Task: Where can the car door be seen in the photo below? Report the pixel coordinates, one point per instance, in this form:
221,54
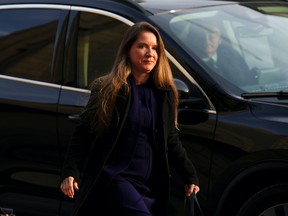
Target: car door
29,94
94,37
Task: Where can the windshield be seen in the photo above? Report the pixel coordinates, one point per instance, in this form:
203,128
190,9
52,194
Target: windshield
245,47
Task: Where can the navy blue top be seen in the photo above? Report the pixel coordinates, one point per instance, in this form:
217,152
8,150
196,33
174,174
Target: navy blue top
141,163
136,150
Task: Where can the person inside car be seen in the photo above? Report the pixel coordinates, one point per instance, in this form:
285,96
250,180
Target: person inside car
217,52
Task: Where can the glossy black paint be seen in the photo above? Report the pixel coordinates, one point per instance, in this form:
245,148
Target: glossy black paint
241,146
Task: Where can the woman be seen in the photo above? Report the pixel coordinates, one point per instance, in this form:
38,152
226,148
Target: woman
127,138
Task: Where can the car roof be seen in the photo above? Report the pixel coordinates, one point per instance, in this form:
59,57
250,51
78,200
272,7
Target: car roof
161,6
158,6
152,7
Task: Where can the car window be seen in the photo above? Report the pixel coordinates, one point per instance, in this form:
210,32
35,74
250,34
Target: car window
251,46
27,40
99,38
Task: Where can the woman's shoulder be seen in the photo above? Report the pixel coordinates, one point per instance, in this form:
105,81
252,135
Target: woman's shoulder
97,83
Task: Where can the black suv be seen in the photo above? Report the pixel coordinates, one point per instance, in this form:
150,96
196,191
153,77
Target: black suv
234,125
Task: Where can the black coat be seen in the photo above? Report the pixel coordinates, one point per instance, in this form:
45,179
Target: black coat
87,154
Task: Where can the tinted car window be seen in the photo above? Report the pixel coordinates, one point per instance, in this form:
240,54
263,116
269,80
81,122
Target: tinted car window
26,42
98,40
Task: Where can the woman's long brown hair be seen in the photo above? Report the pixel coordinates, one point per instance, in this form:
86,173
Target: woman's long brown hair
110,84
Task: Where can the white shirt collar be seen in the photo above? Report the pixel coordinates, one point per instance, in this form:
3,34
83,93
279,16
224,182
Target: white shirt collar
214,58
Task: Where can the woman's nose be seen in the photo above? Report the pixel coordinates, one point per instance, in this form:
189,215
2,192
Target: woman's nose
149,51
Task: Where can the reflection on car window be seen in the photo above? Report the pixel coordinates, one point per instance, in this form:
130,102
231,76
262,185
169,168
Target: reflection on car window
26,42
250,47
98,40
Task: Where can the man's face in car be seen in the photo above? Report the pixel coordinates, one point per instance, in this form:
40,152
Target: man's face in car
212,41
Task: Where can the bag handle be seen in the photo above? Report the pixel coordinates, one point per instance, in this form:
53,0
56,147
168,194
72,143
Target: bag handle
189,205
198,205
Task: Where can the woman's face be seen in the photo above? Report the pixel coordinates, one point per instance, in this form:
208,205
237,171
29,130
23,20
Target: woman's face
143,53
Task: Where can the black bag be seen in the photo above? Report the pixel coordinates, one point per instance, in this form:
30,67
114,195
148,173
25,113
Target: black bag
6,212
192,206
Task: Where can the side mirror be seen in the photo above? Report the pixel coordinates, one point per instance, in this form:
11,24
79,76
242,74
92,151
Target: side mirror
189,98
191,105
182,88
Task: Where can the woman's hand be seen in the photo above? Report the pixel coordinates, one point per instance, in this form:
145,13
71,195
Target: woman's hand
189,189
68,186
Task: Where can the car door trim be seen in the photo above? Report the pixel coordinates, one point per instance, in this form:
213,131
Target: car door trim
29,81
102,12
44,6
